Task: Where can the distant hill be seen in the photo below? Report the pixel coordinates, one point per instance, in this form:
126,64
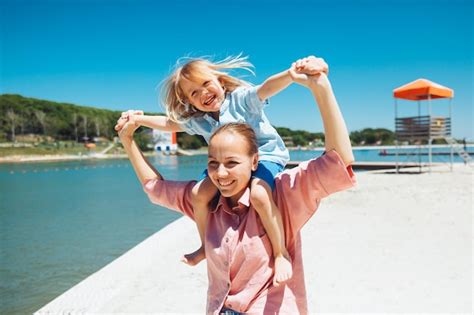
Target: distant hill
64,121
58,120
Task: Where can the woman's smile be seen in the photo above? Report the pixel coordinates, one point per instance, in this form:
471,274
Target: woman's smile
225,183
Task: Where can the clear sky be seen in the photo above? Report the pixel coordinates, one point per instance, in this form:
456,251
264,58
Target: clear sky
112,54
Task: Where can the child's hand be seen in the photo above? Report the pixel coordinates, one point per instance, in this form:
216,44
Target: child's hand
311,66
128,116
309,72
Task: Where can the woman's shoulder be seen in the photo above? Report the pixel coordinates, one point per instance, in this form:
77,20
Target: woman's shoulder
324,175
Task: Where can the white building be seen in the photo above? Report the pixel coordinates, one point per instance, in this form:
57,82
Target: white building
165,141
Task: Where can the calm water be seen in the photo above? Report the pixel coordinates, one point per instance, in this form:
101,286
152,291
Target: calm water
60,222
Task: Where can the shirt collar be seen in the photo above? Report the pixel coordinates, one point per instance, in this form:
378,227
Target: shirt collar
244,201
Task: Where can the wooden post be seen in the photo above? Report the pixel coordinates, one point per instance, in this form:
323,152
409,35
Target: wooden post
429,133
450,126
396,140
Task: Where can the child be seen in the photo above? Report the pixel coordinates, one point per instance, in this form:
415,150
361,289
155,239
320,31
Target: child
199,96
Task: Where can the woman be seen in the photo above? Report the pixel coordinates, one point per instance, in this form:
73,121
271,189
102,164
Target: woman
239,254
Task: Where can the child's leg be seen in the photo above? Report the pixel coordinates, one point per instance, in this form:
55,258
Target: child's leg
261,198
202,194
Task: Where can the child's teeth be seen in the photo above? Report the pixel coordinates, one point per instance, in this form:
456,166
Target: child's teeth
209,100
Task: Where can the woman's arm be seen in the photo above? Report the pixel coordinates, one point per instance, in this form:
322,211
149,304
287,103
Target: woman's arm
335,130
175,195
144,170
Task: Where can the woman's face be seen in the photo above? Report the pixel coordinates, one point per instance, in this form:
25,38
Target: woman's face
230,166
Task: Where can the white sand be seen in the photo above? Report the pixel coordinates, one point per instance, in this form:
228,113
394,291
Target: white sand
394,244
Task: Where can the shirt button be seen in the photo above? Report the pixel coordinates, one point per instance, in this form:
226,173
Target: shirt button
227,240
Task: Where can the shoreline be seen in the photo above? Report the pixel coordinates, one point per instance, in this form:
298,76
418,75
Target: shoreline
18,159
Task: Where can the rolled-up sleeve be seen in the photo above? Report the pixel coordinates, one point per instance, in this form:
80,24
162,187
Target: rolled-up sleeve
175,195
188,127
301,189
248,99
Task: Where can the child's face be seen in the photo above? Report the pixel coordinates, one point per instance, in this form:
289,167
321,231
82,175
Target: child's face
206,96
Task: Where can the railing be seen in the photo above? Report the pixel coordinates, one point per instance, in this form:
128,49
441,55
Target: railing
422,128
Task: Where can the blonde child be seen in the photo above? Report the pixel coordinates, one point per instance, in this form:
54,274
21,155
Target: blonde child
199,96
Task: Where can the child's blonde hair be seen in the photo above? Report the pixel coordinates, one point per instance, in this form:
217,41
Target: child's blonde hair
173,98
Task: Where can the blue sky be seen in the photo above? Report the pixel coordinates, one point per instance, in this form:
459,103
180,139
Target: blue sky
112,54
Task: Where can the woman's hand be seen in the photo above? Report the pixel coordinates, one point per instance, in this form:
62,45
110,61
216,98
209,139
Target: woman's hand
311,65
128,116
315,81
310,72
127,130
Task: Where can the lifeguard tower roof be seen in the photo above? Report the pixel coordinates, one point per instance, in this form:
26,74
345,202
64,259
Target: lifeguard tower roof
422,89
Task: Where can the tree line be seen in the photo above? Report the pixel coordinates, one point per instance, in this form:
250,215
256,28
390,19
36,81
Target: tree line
62,121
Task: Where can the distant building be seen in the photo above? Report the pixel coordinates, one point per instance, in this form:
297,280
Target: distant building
316,143
288,141
165,141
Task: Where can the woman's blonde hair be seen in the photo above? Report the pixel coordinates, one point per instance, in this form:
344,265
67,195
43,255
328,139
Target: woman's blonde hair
173,98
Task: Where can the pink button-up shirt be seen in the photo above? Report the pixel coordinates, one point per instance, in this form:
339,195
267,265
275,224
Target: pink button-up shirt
238,250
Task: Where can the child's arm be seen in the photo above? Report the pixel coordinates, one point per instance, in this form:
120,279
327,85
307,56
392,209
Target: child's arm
274,84
280,81
155,122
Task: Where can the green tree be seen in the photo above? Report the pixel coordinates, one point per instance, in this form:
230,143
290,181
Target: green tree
186,141
142,139
298,139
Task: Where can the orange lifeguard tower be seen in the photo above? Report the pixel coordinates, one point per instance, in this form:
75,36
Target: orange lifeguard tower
424,128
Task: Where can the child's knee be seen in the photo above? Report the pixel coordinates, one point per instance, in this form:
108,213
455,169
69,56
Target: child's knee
203,192
260,194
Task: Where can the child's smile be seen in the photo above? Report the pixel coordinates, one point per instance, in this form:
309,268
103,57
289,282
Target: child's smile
206,96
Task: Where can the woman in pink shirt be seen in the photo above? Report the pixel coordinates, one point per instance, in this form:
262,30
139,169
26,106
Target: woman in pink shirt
239,253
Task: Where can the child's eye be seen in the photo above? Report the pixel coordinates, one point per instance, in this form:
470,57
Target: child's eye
193,93
206,83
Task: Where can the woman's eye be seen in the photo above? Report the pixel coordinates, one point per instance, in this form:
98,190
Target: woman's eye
232,163
212,164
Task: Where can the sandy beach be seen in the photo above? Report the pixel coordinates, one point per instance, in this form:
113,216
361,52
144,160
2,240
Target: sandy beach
396,243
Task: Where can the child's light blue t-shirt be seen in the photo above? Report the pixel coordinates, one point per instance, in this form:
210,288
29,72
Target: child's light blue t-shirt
243,105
